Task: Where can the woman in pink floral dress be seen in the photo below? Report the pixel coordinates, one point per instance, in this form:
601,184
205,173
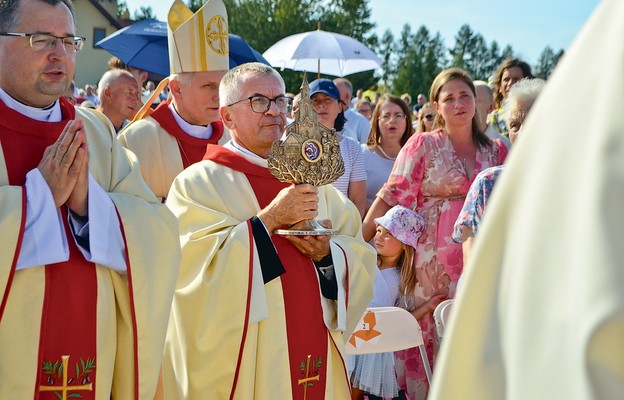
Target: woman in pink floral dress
432,175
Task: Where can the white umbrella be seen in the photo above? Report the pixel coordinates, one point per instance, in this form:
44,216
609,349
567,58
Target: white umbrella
324,52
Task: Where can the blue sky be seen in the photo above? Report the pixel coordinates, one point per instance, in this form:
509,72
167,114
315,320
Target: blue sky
527,25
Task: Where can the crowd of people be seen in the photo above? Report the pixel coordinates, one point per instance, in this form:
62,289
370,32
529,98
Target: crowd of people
140,258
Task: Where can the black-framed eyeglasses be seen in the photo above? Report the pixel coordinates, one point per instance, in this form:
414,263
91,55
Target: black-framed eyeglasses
45,41
261,104
429,117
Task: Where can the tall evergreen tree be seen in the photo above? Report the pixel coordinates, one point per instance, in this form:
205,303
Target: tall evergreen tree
387,53
419,63
463,44
122,10
547,62
195,5
144,13
477,58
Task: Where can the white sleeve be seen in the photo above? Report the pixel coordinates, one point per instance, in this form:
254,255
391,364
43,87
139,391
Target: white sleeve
106,245
364,127
44,240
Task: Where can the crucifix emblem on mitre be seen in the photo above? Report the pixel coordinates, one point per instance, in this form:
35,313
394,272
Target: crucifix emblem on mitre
309,152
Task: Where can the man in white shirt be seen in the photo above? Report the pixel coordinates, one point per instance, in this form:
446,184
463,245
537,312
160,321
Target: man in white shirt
119,97
485,105
355,122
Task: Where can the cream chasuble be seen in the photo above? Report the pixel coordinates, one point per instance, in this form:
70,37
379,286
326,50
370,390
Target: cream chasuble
163,148
227,336
131,310
541,312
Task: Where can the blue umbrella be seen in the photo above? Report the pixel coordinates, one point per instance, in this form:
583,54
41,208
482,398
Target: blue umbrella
143,45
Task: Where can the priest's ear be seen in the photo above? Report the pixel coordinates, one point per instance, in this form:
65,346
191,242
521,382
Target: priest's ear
174,84
106,92
226,117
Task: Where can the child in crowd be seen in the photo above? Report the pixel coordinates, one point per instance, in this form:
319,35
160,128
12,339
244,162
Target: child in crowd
373,375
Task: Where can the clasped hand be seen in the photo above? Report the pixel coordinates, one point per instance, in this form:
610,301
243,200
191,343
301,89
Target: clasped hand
65,168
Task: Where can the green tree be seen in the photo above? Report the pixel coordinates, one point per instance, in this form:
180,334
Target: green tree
464,41
506,53
547,62
349,17
494,59
195,5
421,61
122,10
144,13
477,62
387,52
277,19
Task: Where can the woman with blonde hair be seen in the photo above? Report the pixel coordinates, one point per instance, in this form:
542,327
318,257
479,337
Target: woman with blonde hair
426,115
509,72
432,175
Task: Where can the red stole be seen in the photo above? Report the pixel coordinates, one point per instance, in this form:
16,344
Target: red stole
192,149
306,330
67,347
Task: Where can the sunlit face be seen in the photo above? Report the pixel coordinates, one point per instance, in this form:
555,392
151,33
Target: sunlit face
386,244
196,97
256,131
345,96
392,122
509,78
456,104
427,115
327,108
516,120
483,101
123,96
366,110
37,78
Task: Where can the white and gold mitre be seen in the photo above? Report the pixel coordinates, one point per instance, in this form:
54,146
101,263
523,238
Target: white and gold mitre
198,42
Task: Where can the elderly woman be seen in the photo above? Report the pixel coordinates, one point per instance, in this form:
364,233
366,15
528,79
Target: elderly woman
432,175
391,126
327,104
515,109
508,73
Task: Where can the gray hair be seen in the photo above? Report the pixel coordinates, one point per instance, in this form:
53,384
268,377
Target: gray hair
110,77
347,84
8,12
523,92
484,84
230,86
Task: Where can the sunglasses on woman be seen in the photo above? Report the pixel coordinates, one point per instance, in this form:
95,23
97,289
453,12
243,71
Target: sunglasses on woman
429,117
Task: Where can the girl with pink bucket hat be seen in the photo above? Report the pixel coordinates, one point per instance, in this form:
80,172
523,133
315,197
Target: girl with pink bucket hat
373,375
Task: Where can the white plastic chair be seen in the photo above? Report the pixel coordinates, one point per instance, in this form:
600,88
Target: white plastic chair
387,329
440,317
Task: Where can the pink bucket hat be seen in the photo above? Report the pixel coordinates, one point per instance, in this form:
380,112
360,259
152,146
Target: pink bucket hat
404,224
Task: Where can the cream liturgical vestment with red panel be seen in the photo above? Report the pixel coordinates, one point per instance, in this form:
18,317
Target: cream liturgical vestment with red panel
235,333
76,328
163,148
540,315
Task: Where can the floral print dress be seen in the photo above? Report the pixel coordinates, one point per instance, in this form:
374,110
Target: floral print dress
429,178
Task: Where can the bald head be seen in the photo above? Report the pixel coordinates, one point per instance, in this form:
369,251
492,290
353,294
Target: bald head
484,99
119,96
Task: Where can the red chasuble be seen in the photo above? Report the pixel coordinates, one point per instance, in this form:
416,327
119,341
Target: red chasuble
192,149
306,330
67,347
